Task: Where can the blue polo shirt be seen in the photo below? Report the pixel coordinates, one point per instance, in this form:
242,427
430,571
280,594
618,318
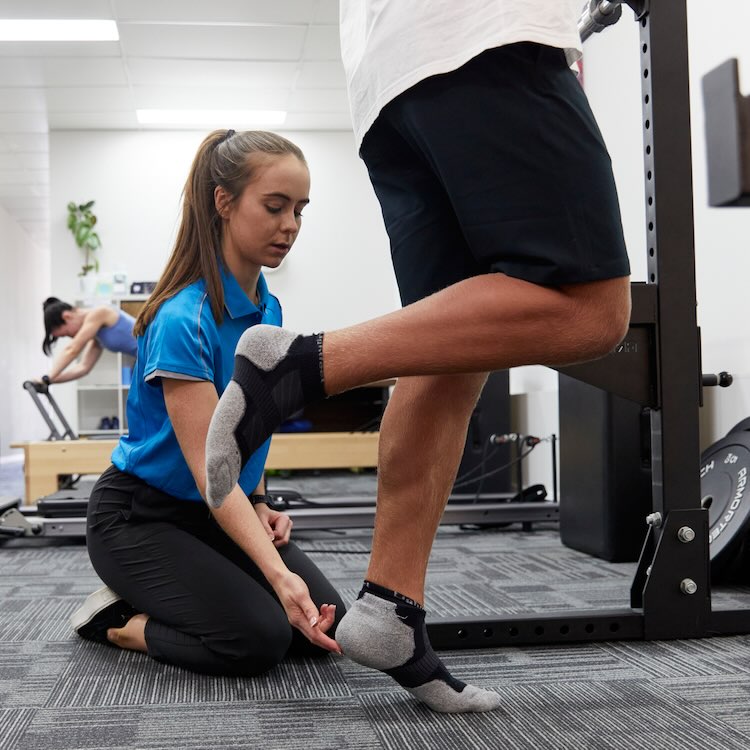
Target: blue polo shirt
184,341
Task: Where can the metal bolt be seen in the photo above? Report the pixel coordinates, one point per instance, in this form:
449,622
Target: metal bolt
685,534
688,586
654,519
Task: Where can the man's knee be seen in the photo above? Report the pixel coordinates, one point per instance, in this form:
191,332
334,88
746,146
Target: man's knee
600,316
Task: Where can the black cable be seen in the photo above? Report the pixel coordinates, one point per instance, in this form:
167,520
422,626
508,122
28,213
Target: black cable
463,479
485,457
516,460
302,500
499,468
481,477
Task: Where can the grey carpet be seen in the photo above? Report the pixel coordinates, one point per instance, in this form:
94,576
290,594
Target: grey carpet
58,692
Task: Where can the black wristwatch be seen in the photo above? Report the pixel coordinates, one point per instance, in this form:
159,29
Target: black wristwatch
45,379
265,499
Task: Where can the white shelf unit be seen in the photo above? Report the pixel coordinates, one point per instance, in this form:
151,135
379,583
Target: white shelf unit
103,393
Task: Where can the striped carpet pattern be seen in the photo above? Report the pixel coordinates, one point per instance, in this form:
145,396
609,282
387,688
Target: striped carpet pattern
58,692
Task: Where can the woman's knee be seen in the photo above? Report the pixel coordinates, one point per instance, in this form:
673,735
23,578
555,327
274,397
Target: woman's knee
246,657
252,651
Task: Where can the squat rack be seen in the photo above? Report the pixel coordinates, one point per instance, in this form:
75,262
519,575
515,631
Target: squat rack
658,366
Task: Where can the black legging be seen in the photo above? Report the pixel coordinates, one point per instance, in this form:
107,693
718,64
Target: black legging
210,608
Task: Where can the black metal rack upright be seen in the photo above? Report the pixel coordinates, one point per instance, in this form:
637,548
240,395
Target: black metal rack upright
658,366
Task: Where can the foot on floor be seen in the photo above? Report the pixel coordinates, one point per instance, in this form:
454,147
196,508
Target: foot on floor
386,631
102,610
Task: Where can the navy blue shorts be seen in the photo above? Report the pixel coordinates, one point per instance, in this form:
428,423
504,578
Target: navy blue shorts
496,166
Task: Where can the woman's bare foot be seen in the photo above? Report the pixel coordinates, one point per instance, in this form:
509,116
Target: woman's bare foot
132,635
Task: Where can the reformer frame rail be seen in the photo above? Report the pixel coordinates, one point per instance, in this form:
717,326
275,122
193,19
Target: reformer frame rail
34,390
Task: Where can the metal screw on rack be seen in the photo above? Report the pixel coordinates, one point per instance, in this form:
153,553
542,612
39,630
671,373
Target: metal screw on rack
685,534
688,586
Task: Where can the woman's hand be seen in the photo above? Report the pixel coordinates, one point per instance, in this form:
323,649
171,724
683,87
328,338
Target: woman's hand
278,525
303,614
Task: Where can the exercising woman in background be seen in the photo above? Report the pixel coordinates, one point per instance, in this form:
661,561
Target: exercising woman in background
91,330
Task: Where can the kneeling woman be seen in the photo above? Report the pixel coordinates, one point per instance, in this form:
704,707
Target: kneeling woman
219,590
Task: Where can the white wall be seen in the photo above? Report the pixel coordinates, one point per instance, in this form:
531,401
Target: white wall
722,234
338,272
24,284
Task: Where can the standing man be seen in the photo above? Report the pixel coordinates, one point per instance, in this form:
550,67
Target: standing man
498,197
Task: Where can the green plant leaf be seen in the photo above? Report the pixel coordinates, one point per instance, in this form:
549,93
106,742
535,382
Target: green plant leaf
81,221
82,234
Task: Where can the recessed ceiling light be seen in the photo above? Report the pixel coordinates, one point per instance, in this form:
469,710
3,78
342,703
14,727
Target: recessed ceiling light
219,118
57,30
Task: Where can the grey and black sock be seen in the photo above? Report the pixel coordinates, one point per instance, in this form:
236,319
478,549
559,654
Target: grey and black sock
386,631
276,372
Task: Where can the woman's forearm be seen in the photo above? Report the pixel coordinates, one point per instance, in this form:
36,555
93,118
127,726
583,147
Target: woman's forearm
62,369
70,373
190,406
66,356
237,517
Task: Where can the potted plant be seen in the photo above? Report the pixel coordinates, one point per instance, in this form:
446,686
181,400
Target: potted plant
81,222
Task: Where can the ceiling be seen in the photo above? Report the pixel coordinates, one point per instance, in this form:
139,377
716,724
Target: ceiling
172,54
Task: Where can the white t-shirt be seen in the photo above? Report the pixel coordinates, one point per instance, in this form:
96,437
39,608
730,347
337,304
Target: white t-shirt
388,46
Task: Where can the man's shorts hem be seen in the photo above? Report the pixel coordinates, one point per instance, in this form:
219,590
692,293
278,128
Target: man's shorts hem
560,278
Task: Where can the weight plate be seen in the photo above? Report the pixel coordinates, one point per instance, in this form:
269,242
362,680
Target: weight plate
742,426
725,490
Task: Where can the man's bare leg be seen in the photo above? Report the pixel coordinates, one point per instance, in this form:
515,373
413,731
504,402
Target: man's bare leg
488,322
421,441
422,437
485,323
